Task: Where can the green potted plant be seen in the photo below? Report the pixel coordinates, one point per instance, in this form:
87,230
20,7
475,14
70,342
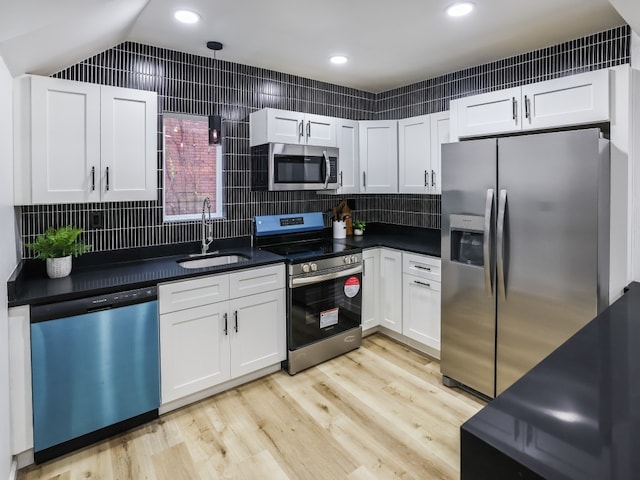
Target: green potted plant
57,246
358,227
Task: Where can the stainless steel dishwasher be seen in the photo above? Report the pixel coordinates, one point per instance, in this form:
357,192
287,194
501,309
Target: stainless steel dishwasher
95,369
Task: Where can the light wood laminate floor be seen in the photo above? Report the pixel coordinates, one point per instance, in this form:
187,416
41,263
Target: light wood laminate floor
380,412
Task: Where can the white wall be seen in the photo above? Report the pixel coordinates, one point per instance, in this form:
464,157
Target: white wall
8,258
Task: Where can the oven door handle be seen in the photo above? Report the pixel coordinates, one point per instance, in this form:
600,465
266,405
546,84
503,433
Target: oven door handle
301,282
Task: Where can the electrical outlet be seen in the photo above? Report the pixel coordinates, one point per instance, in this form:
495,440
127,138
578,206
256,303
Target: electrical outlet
96,220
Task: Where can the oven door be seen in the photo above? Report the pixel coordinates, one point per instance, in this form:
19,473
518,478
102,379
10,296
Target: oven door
323,306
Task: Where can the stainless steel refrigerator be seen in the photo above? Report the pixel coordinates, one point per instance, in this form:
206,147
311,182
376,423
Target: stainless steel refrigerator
525,248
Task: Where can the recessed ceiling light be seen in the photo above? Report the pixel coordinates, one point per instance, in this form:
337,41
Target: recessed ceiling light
186,16
460,9
339,59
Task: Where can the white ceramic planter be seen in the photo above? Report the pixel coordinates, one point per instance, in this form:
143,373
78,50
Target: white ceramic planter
59,267
357,231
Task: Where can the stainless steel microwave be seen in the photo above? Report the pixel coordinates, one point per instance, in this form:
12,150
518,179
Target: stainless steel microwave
286,167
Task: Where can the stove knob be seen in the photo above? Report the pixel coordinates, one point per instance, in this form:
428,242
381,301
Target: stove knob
354,259
314,267
347,259
305,268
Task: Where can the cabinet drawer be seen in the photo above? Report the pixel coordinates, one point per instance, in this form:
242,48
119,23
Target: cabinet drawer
421,265
256,280
192,293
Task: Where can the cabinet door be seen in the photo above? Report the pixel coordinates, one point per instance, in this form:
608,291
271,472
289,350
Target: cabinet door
421,310
196,292
256,280
378,156
414,155
65,141
128,144
390,289
489,113
439,135
571,100
349,158
284,126
370,276
320,130
194,350
257,329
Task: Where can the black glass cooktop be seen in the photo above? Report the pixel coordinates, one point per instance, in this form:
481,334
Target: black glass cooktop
301,251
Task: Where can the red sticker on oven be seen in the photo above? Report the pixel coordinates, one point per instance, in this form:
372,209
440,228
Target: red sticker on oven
351,287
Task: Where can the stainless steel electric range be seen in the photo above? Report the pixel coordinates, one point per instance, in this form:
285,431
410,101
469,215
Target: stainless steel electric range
324,298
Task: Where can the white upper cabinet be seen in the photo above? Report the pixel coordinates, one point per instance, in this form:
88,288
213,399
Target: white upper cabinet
414,154
128,121
493,112
349,157
440,134
271,125
77,142
419,153
378,156
573,100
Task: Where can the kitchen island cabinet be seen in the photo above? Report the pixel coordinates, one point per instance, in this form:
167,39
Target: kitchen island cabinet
573,416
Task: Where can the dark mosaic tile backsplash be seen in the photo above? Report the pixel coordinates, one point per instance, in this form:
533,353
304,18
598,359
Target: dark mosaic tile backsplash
196,85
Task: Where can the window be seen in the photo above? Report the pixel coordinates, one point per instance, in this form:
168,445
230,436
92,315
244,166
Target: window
192,168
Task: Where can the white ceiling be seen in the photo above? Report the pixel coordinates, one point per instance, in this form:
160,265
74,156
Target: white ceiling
390,44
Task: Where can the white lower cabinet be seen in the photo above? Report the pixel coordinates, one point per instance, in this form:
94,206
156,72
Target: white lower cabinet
370,279
258,334
390,289
217,328
401,292
421,307
421,299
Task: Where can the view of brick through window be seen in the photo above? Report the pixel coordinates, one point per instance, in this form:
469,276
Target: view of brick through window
190,165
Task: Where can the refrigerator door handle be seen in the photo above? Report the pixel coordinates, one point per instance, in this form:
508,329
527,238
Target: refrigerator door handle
502,206
486,247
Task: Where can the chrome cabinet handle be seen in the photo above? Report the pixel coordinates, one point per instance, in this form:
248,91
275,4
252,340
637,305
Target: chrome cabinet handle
341,178
235,315
93,178
514,108
422,267
226,330
486,247
426,179
301,128
527,108
502,206
308,128
433,178
364,179
327,165
107,172
422,283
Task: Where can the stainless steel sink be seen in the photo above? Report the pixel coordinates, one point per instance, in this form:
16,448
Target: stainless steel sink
212,261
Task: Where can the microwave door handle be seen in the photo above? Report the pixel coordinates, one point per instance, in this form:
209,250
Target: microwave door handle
327,165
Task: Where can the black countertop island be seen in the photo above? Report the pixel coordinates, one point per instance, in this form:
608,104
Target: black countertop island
576,415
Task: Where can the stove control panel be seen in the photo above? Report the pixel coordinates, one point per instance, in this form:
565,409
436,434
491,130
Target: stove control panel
323,264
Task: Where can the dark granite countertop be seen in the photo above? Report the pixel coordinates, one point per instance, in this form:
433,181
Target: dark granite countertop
576,415
122,270
424,241
105,272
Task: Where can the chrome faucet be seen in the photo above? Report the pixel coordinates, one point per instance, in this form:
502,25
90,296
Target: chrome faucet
207,226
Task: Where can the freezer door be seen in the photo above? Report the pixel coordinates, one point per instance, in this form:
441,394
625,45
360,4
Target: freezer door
547,244
468,260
